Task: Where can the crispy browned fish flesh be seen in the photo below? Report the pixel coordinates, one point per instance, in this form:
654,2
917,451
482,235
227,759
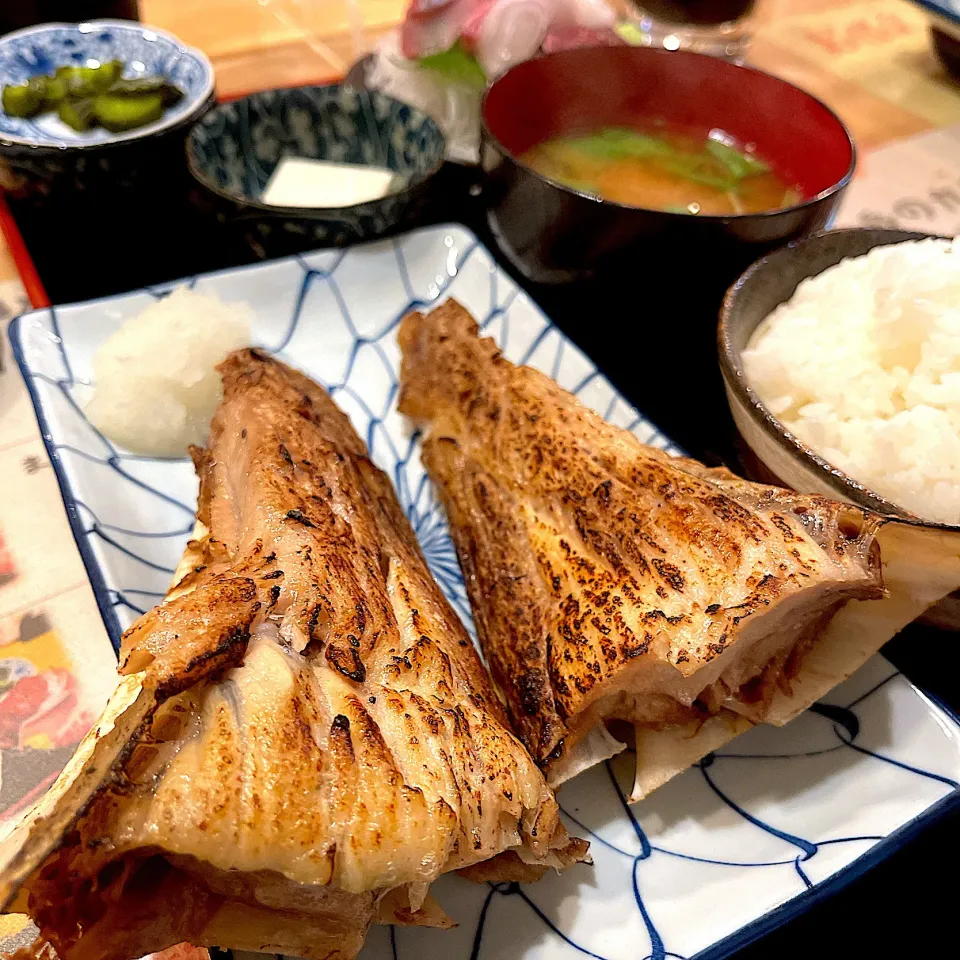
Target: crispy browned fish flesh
305,736
608,580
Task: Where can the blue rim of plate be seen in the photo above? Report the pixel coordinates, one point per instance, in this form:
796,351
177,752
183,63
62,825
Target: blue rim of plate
802,902
721,949
172,118
100,591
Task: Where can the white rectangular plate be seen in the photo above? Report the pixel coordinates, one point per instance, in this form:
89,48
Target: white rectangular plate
746,839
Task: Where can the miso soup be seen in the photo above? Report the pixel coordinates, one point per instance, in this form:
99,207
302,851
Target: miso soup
663,169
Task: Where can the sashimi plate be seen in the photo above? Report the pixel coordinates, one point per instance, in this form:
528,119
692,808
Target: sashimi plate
747,838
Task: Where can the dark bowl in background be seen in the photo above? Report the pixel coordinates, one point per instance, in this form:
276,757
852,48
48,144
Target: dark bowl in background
235,148
554,234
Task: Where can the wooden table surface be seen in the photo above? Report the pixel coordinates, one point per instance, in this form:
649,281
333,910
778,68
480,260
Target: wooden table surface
870,60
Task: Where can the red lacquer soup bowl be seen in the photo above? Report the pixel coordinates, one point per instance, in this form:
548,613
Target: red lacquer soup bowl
553,233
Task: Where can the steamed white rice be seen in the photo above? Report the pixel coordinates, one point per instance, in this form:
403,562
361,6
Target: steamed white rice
155,386
863,365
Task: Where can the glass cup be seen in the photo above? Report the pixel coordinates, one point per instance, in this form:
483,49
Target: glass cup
719,28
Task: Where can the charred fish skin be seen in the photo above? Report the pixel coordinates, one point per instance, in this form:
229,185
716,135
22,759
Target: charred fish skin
607,579
304,736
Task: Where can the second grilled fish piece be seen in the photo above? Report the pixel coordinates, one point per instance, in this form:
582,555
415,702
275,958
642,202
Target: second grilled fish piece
304,737
608,580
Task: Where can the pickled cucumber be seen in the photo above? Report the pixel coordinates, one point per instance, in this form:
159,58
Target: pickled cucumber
87,96
120,113
77,114
21,100
130,88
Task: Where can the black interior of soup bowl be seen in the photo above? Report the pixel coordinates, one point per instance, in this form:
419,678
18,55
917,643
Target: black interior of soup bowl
553,233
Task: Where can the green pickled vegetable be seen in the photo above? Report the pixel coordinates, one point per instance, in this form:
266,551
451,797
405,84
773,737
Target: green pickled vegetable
107,74
138,85
79,81
120,113
55,91
77,114
85,96
40,86
22,100
87,81
170,93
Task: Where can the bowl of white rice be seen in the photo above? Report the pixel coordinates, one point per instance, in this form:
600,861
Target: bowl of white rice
841,360
840,355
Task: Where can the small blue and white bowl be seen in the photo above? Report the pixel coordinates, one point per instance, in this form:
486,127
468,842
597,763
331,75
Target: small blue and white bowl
42,150
235,148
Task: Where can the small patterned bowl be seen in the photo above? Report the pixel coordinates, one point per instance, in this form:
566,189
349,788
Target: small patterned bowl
235,148
42,152
146,52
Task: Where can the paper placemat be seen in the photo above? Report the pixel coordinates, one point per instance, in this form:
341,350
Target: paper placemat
57,667
910,185
883,46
